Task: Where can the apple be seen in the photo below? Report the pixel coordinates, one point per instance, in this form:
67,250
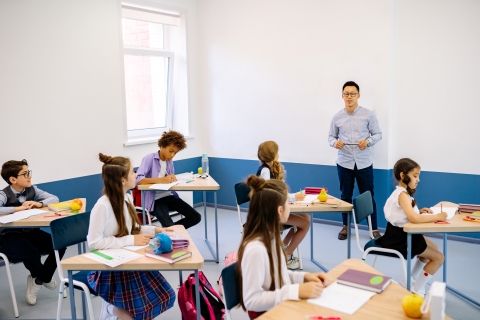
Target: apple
76,204
411,304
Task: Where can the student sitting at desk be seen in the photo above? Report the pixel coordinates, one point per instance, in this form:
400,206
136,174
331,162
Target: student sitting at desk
401,208
262,275
157,167
27,244
271,168
114,224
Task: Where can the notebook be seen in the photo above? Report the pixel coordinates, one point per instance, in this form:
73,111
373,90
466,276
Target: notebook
171,257
449,210
112,257
62,207
364,280
178,241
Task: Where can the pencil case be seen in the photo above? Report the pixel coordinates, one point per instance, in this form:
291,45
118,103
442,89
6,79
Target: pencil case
314,190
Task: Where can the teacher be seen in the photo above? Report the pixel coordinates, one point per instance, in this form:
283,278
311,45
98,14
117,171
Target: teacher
353,131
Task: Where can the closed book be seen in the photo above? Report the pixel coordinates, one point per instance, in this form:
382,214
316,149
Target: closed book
314,190
178,241
171,257
468,208
364,280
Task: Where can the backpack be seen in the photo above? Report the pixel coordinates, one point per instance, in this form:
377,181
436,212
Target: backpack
230,258
211,305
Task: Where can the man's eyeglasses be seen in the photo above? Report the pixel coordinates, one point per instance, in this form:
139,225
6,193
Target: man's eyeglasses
351,94
27,174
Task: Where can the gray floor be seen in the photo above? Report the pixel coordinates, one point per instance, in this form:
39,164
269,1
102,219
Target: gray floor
462,259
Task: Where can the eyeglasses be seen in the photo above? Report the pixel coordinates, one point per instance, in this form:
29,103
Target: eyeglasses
26,174
351,94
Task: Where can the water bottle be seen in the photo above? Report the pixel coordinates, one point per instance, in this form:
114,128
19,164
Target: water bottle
205,169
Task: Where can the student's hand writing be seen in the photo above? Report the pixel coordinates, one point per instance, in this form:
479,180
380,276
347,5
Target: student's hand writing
339,144
362,145
141,239
426,210
168,179
159,230
318,276
21,208
299,196
442,216
311,289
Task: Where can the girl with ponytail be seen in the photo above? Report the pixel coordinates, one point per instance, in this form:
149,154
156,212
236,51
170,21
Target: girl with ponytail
114,224
401,208
262,275
271,168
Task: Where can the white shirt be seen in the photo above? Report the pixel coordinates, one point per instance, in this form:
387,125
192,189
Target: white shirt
265,175
256,279
103,226
393,211
161,174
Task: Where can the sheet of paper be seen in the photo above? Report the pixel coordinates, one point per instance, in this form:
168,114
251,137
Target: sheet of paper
342,298
449,210
113,257
164,186
134,248
185,177
20,215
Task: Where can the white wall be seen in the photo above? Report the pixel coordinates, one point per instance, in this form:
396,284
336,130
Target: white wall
61,86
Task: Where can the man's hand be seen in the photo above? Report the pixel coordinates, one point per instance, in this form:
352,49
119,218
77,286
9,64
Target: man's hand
362,145
339,144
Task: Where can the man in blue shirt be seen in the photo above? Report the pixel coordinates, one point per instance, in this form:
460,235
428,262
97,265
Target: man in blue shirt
353,131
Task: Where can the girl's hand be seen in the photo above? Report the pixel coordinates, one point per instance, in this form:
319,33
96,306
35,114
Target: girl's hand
299,196
442,216
426,210
141,239
308,290
160,230
318,276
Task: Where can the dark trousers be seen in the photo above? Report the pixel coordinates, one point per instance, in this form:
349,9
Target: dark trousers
364,178
164,205
27,247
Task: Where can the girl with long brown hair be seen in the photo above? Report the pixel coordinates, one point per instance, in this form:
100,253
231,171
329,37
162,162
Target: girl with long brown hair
271,168
114,224
262,275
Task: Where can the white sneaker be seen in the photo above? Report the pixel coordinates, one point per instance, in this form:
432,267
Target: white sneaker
32,290
420,292
403,283
293,263
104,314
50,285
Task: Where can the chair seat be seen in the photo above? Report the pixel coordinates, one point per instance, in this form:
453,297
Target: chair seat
372,244
82,277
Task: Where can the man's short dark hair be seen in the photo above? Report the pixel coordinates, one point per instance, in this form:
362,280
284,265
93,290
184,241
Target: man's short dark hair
12,168
351,84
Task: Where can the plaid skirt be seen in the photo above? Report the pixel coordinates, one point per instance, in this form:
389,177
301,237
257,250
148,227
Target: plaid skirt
143,294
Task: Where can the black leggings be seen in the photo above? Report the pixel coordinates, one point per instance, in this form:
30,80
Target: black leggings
164,205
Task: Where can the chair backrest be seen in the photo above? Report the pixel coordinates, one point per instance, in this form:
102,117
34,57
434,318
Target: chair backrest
242,191
70,230
230,288
362,206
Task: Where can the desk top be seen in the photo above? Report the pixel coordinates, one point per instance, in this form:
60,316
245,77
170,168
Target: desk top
194,262
386,305
40,220
457,224
198,184
343,207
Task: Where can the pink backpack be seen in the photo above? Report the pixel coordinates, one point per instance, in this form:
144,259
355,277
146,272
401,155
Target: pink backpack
211,305
230,258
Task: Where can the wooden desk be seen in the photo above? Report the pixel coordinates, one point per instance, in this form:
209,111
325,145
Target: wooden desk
39,220
193,263
318,208
198,184
456,224
387,305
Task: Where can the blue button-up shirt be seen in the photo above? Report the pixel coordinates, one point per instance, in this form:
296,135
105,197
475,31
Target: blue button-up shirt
351,129
40,196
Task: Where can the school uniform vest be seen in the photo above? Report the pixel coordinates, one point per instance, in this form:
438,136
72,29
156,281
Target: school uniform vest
264,165
12,201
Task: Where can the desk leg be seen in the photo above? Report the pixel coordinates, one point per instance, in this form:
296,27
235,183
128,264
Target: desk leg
349,233
72,297
143,207
311,236
216,226
180,277
214,253
197,295
409,259
79,248
445,255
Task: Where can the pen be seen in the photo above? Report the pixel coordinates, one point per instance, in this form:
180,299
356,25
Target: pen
323,317
441,207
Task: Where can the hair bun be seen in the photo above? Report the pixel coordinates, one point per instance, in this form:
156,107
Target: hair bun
256,183
104,158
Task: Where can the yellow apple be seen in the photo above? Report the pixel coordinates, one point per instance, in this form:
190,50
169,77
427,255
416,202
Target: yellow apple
411,304
76,204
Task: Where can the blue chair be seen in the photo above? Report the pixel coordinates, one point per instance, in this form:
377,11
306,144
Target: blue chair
363,208
66,232
231,298
10,283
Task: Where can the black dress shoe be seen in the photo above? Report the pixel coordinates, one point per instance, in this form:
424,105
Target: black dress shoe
343,235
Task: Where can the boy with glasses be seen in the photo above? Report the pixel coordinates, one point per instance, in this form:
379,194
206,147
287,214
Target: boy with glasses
27,245
353,131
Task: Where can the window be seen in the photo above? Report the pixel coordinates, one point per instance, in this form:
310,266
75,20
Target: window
150,48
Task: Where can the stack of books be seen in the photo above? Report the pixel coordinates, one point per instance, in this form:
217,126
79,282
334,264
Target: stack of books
178,241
